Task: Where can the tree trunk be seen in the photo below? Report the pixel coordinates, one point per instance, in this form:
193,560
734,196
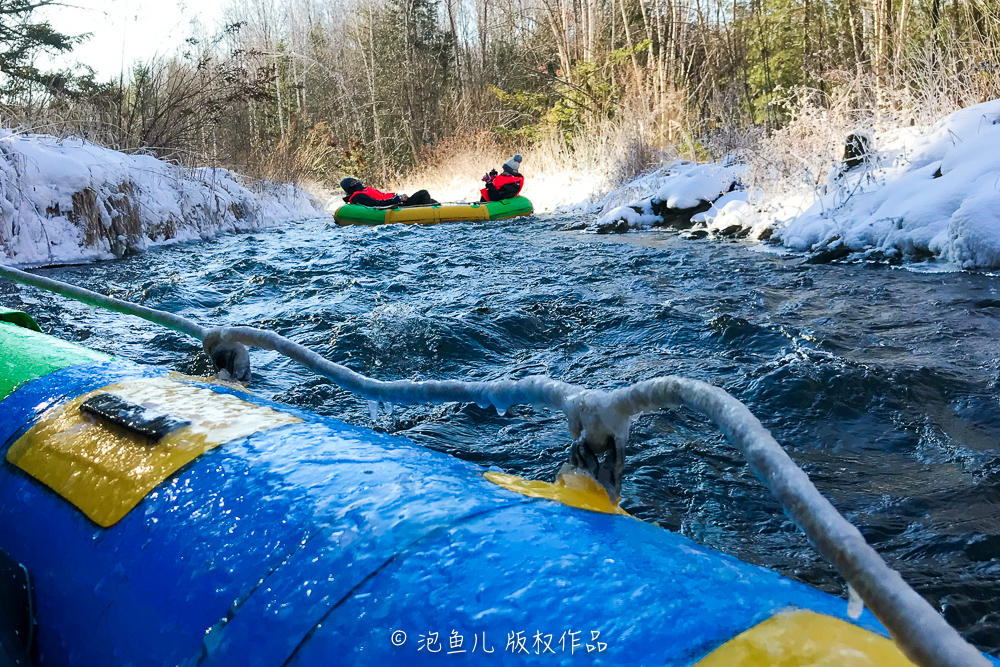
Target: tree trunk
556,16
904,15
277,88
639,79
651,58
857,38
882,18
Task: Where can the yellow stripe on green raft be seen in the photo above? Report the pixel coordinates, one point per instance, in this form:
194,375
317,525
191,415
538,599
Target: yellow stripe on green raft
806,639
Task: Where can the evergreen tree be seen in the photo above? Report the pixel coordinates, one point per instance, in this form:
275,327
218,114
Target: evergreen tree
21,39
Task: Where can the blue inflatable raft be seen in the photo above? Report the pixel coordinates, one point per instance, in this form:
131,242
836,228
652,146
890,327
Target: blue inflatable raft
238,531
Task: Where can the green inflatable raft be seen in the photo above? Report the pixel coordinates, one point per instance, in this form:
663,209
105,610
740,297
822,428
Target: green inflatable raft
352,214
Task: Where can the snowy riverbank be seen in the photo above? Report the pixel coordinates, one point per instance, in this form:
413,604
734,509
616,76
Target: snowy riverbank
918,195
67,200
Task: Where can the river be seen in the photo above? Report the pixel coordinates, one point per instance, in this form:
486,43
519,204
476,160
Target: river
881,382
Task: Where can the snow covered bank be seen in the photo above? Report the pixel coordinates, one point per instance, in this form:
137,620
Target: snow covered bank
937,193
918,195
67,200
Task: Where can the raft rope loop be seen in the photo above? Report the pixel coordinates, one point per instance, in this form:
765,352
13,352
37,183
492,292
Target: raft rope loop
599,423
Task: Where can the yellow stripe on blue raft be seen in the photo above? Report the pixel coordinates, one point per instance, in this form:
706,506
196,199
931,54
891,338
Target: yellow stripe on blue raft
789,639
571,489
105,470
806,639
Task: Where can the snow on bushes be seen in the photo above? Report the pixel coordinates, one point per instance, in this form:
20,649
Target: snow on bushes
916,196
936,194
68,200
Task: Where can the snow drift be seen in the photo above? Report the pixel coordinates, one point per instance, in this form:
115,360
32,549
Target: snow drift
935,194
68,200
917,196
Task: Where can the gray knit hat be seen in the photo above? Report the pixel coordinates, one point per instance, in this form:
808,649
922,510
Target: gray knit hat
513,165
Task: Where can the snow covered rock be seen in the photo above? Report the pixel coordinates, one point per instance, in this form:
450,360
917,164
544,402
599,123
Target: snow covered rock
68,200
683,191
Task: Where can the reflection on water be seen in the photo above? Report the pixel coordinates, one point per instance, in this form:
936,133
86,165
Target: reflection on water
882,383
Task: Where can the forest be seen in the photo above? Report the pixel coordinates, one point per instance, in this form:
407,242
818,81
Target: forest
306,91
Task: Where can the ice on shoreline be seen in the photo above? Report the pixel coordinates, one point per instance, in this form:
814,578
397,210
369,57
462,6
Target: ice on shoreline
68,200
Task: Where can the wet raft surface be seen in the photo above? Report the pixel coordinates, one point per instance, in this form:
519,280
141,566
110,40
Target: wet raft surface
882,383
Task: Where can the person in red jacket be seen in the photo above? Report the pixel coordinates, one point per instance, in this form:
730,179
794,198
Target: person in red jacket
358,194
505,185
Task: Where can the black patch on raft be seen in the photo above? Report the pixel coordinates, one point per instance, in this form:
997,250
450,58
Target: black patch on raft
17,618
603,466
233,358
131,416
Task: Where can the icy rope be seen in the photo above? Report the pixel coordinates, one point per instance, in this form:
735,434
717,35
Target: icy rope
169,320
599,422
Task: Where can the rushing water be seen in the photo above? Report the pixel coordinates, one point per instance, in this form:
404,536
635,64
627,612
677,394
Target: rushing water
882,383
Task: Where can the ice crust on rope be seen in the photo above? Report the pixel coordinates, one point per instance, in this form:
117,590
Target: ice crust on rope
855,605
68,200
595,415
933,193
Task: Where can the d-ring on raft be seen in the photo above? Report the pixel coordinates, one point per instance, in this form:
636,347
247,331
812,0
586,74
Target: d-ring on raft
247,532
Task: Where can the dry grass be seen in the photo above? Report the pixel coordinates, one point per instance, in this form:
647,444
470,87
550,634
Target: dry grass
455,162
301,156
613,151
799,156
